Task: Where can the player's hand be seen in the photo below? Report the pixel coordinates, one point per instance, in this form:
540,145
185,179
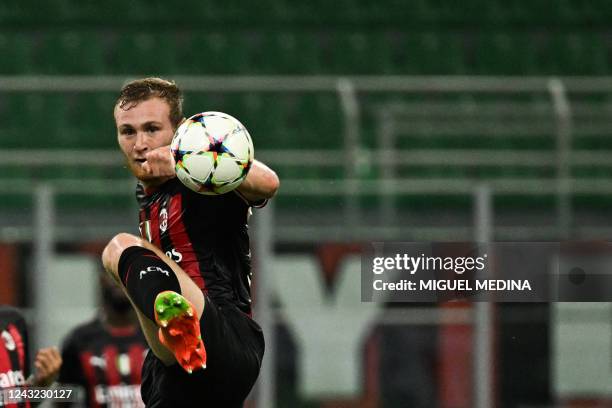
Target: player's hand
46,366
160,163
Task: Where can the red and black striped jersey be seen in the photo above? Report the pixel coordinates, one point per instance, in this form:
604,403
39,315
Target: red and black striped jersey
14,357
105,362
207,235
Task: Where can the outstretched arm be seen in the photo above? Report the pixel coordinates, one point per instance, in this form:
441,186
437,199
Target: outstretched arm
261,183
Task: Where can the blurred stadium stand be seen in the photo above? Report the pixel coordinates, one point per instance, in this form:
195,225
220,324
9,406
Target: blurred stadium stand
377,146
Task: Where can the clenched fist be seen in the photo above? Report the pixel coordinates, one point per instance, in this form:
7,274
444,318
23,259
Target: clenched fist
46,366
159,163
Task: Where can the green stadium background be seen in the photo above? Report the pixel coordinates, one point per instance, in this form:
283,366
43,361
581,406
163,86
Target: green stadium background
388,120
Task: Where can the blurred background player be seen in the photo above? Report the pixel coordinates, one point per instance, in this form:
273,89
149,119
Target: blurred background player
104,356
205,299
15,357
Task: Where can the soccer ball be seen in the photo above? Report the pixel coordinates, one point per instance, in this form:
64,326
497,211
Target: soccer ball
213,152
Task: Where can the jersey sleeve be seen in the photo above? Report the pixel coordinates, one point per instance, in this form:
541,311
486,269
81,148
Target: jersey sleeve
255,204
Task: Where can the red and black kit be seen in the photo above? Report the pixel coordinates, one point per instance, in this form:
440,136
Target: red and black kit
106,363
207,236
14,357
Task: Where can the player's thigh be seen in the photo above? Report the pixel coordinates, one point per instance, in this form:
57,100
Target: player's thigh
189,289
234,347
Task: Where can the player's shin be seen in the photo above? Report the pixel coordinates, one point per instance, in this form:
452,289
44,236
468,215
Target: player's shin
155,290
145,275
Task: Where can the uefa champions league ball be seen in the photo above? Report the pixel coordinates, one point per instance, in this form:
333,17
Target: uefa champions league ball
213,152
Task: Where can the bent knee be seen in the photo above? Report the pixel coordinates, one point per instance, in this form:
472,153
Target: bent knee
115,247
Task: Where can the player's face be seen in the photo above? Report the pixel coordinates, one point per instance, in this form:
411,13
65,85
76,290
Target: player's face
113,297
142,128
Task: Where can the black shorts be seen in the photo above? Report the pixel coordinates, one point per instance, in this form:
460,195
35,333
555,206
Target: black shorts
234,349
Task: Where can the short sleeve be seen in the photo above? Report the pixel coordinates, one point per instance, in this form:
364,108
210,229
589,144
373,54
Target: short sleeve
255,204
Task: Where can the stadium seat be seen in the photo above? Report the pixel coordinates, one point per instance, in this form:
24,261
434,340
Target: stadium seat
15,12
383,52
432,53
577,11
577,54
393,56
8,134
352,53
82,130
320,134
273,127
506,54
16,51
32,123
218,53
72,52
260,114
143,53
112,11
291,53
46,116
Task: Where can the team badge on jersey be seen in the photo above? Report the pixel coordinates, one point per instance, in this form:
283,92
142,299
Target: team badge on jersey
123,364
163,220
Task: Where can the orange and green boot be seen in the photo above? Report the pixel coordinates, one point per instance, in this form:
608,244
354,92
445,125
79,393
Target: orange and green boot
179,330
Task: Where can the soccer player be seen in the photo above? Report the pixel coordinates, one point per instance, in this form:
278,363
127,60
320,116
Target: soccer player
104,356
14,357
189,275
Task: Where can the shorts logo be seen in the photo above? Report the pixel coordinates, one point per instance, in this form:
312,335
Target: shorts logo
163,220
9,342
154,269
